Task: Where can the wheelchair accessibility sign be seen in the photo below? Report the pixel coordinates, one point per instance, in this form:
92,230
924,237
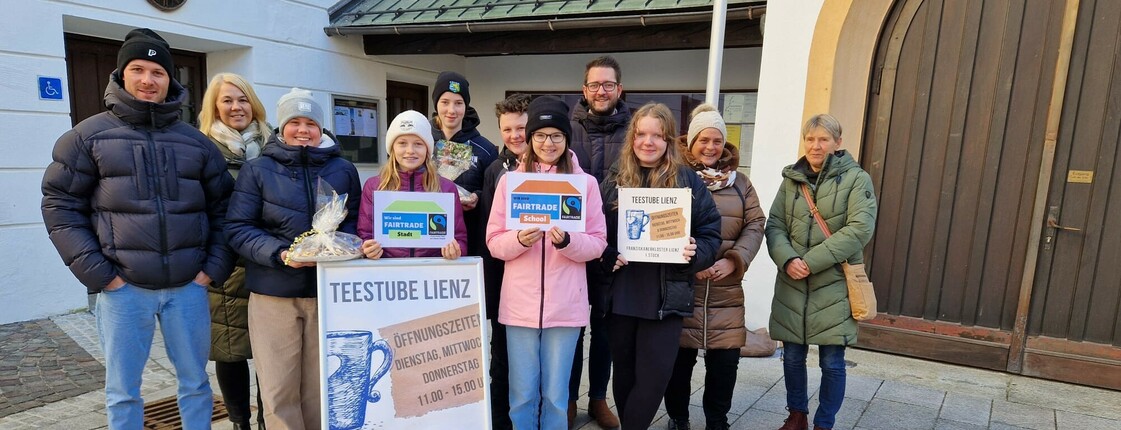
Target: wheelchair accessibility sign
50,88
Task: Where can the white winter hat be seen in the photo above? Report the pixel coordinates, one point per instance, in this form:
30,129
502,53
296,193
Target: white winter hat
706,116
409,122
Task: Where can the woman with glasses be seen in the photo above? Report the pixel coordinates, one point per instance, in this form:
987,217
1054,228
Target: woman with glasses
647,301
544,298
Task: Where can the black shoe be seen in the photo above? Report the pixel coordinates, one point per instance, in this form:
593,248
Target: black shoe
242,426
676,424
717,425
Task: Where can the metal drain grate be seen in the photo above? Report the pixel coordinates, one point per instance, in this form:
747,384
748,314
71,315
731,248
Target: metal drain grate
163,414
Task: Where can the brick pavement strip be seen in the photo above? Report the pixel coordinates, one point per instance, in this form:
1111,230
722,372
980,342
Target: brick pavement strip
40,364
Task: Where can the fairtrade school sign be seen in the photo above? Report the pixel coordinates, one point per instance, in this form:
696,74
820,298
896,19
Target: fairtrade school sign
654,224
544,200
402,344
413,220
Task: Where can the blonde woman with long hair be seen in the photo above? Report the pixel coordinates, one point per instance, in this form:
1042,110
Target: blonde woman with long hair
233,117
647,301
409,167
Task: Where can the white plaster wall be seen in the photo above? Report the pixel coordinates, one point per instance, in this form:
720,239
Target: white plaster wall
782,90
275,44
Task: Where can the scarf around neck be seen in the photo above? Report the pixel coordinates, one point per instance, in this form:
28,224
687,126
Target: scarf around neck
245,145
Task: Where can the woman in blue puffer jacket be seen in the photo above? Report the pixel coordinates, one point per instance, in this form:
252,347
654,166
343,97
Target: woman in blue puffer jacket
273,203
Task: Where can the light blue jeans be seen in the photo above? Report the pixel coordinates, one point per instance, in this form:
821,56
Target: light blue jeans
126,322
540,365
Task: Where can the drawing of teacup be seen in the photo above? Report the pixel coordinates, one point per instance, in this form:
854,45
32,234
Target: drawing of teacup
351,386
637,219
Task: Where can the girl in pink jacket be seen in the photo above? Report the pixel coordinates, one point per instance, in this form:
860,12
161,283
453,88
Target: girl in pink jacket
544,298
410,167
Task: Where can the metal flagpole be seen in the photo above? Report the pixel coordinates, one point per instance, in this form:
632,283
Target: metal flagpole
716,51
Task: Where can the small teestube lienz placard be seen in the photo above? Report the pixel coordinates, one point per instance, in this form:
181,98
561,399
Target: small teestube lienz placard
544,200
413,220
654,224
403,344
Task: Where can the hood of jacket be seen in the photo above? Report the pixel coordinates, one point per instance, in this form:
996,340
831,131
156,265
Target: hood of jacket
606,124
537,167
469,131
143,113
835,164
289,155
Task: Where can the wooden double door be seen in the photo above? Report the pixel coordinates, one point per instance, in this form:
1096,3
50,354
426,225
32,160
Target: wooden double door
992,138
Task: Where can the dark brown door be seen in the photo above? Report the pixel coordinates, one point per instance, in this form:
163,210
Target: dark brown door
402,96
956,120
90,60
1074,330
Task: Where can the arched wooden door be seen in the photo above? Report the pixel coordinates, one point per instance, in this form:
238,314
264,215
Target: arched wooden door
955,143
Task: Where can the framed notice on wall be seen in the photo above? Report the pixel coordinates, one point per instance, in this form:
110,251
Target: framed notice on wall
403,344
355,124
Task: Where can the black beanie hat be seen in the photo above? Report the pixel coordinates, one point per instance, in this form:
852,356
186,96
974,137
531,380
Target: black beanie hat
145,44
548,111
451,82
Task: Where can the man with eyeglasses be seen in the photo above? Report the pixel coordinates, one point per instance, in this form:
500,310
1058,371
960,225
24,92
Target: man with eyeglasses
599,127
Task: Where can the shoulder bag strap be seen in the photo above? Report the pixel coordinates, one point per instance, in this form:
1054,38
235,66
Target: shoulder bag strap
813,210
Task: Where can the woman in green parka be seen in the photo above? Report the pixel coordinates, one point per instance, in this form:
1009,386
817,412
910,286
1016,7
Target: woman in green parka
234,119
811,305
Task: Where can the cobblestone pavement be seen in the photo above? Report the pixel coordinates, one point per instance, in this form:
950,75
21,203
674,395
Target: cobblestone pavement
884,392
40,364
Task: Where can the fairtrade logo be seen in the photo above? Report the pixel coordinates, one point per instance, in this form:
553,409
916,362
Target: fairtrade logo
151,52
571,207
437,225
453,86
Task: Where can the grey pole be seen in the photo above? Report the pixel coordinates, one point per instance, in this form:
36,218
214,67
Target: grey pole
716,51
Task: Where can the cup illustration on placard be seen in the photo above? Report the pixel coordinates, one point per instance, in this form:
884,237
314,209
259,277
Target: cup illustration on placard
351,386
637,219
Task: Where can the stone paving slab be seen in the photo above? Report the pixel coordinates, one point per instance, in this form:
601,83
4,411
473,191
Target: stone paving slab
1021,415
964,408
40,364
891,415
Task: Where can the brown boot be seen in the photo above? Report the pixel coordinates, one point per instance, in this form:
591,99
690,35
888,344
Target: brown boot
598,410
571,413
796,421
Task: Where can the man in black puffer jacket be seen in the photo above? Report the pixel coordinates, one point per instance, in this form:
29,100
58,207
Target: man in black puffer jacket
135,201
599,127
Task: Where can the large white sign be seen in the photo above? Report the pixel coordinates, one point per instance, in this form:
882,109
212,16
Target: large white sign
414,220
544,200
654,224
403,344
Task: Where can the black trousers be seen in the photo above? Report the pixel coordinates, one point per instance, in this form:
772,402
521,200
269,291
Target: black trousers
643,352
720,382
599,361
499,378
233,382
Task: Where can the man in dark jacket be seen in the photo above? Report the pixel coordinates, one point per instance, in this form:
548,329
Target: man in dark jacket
599,127
135,201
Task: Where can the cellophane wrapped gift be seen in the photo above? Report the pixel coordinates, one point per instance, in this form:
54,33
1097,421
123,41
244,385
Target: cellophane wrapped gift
452,159
323,242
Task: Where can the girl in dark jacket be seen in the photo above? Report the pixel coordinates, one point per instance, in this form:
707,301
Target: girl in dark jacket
272,204
234,119
717,323
648,300
409,168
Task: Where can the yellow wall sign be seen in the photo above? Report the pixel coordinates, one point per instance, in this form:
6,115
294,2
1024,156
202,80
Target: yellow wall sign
1080,176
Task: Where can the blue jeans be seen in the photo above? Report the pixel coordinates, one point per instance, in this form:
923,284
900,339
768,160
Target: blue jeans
599,361
831,358
540,363
126,322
